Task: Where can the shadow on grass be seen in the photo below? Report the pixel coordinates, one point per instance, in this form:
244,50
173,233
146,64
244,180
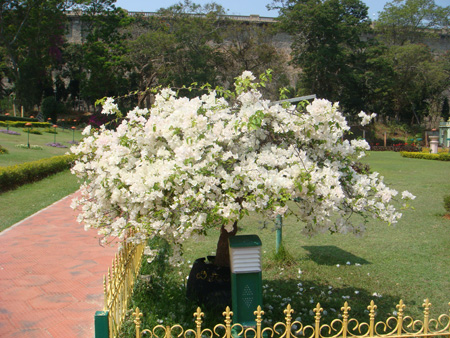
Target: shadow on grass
332,255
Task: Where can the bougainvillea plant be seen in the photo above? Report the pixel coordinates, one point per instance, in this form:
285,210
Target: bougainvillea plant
187,165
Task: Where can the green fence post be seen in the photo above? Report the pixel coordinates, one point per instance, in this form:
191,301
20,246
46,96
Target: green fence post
101,324
279,226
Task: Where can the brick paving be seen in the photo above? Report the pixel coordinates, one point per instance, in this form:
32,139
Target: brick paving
51,275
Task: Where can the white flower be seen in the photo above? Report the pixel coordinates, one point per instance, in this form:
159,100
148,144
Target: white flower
406,195
366,118
109,107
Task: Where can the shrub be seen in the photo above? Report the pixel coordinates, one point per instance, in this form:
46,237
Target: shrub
21,124
16,175
425,156
3,151
17,118
447,203
50,130
32,131
396,147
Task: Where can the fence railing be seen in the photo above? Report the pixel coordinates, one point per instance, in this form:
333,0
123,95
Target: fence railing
119,282
398,326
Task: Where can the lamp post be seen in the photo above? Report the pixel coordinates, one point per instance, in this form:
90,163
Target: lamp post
73,134
28,124
54,135
7,122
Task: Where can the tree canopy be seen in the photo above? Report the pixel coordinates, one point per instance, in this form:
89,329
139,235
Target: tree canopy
187,165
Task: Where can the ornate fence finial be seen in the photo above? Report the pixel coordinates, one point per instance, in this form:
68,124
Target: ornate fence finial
400,307
317,311
228,314
288,312
198,321
372,307
137,321
345,309
258,313
426,315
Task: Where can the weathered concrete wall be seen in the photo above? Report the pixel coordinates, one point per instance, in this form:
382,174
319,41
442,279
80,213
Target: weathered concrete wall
282,41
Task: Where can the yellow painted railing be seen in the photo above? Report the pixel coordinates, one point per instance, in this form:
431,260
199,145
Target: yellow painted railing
118,284
398,326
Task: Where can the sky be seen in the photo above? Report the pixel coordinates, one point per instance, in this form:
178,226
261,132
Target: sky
240,7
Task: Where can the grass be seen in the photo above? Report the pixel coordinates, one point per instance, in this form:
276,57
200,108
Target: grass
407,261
20,155
30,198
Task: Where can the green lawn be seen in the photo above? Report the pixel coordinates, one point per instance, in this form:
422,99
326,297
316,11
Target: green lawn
30,198
19,155
407,261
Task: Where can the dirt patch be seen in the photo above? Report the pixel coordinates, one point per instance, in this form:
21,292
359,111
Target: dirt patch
447,216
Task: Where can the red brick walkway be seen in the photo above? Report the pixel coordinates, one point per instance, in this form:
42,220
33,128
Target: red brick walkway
51,273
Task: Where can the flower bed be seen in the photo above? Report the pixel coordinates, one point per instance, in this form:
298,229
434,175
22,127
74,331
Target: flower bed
10,132
56,144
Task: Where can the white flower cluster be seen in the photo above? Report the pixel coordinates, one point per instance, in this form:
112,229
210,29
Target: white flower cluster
366,118
187,165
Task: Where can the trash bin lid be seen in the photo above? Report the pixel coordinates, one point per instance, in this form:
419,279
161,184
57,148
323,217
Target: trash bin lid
243,241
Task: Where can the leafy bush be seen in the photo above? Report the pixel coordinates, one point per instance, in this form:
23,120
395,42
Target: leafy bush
425,156
16,175
17,118
447,203
21,124
396,147
32,131
3,151
50,130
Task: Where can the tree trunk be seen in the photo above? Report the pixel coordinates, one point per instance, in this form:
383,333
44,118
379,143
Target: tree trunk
222,251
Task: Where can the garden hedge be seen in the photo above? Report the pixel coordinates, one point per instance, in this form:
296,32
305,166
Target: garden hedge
426,156
17,118
21,124
16,175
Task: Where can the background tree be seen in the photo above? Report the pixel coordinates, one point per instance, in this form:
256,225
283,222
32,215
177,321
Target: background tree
250,47
31,36
97,64
411,21
419,74
419,81
327,46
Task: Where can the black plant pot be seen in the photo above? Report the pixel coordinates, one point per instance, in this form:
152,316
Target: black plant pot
209,284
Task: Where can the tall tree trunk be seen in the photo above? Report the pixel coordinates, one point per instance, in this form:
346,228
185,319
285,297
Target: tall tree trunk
222,251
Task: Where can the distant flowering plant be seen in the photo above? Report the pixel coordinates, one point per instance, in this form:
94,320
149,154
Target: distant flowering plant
10,132
56,144
187,165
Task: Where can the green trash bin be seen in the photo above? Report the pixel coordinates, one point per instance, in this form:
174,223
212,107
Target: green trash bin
246,277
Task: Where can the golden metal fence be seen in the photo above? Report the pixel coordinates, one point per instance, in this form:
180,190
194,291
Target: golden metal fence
118,284
399,326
